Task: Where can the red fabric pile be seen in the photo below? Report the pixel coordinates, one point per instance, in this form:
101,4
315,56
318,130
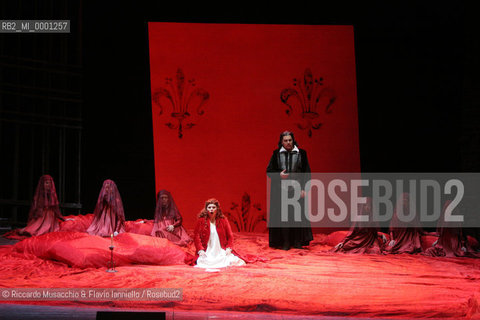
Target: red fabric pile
78,249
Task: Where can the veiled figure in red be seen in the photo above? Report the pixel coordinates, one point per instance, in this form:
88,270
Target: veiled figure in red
168,221
363,236
108,216
451,241
44,215
405,236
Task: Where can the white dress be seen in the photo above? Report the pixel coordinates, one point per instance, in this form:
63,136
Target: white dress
216,257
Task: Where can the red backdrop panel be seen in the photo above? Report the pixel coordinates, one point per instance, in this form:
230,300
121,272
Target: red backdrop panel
236,75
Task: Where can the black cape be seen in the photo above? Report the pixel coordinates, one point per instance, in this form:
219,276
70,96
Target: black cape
294,234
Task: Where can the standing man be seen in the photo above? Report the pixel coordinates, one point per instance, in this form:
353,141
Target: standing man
288,162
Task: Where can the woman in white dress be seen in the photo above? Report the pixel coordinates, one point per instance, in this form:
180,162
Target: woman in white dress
214,239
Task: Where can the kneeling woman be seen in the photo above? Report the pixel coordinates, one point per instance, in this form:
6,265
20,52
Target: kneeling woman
168,221
214,238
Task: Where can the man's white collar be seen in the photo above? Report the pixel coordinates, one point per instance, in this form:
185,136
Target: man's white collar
295,149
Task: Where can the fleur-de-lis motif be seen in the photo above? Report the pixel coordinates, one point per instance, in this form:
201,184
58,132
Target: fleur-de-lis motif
310,97
181,96
246,216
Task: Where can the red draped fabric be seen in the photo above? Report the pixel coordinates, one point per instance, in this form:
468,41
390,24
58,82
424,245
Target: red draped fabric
451,240
406,235
363,236
139,226
80,250
76,223
311,282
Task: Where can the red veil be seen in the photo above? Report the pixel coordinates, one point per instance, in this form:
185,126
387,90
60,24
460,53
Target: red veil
108,216
170,211
44,213
166,216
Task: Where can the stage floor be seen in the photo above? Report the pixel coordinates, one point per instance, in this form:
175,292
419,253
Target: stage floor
308,284
28,312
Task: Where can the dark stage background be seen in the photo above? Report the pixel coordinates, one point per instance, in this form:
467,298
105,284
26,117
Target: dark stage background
416,72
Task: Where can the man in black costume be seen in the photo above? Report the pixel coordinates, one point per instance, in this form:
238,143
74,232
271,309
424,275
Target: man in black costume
288,162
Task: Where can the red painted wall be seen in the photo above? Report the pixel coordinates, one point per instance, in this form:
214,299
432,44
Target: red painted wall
244,69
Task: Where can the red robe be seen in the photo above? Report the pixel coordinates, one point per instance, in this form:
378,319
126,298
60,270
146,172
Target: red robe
363,236
407,235
451,240
166,216
202,233
44,215
108,216
225,235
